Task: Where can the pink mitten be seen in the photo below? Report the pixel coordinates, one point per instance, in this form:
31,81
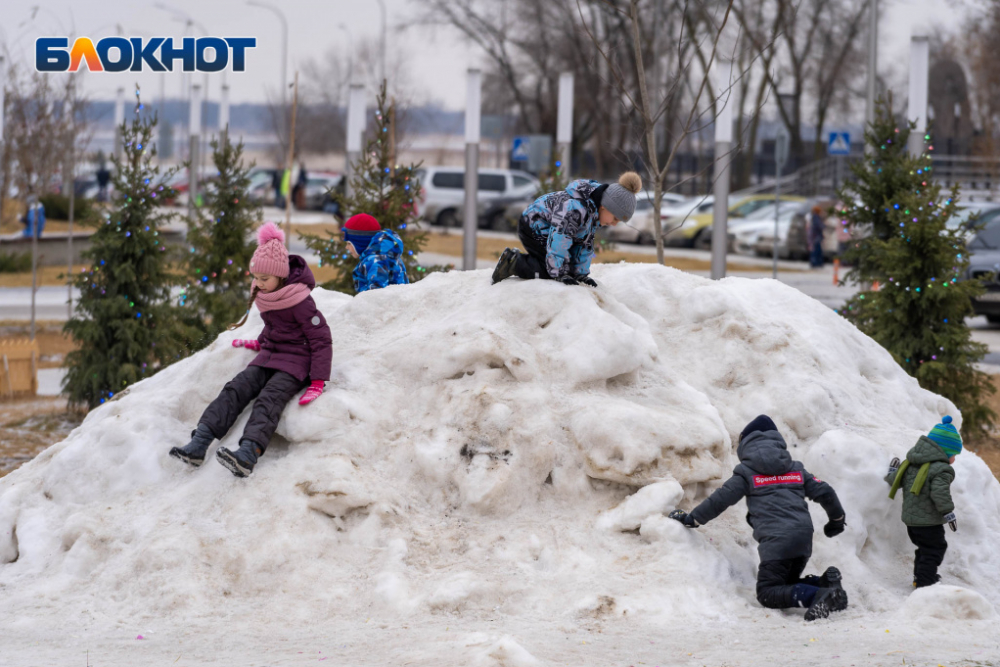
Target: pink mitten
312,393
248,344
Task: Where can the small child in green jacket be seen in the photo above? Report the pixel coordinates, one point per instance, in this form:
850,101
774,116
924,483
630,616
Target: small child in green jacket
926,476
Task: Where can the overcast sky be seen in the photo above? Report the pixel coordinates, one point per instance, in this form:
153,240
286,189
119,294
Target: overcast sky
436,58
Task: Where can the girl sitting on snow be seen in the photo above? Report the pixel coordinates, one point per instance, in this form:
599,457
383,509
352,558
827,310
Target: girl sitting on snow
558,230
294,352
776,487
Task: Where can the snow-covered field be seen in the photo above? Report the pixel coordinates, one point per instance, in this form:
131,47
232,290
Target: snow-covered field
484,483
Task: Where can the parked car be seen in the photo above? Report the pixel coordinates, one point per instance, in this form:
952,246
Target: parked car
443,190
984,263
688,234
260,188
318,191
748,237
640,228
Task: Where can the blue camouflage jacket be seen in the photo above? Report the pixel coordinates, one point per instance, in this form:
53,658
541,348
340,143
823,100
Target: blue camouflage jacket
565,222
380,265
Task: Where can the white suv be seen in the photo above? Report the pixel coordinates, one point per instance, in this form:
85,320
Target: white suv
443,190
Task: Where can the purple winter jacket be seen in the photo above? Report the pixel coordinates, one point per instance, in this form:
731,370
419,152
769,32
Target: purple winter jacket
296,340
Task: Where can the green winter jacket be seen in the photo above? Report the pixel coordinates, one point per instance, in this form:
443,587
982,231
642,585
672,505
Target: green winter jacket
928,507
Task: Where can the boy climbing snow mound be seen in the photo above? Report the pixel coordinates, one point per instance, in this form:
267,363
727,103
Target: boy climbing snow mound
776,487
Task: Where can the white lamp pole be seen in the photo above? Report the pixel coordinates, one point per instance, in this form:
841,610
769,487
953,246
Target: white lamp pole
194,126
356,112
473,104
725,94
917,110
564,127
119,119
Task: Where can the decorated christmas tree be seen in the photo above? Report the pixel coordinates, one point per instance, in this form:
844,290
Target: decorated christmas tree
384,190
220,239
912,266
554,178
124,323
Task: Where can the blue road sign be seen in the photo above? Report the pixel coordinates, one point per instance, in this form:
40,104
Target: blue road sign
519,153
839,144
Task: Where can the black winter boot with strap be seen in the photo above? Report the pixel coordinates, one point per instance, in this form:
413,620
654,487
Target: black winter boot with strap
193,453
242,461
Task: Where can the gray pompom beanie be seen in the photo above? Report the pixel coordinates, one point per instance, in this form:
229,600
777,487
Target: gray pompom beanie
619,198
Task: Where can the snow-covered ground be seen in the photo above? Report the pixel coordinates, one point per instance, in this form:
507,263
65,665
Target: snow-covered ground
484,483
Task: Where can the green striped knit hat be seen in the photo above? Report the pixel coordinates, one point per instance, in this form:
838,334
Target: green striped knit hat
946,436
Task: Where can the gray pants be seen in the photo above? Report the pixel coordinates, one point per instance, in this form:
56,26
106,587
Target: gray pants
272,389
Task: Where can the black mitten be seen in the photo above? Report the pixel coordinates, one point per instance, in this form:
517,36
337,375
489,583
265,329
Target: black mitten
683,517
952,521
588,281
834,527
569,280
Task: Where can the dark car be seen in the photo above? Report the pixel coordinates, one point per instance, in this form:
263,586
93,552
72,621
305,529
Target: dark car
984,264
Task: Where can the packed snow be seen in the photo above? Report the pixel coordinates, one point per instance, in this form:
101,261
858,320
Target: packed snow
485,482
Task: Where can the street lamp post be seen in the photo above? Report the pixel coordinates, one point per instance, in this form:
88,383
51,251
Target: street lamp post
381,5
284,46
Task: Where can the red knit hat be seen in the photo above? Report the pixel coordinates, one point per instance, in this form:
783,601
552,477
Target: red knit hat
359,230
271,256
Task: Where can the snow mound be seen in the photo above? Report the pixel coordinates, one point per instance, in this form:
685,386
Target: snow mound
949,603
486,455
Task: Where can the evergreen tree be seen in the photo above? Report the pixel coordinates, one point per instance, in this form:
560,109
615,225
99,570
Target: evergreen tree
383,190
124,322
911,267
221,245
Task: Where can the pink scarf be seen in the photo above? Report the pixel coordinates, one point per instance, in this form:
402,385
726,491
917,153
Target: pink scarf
279,299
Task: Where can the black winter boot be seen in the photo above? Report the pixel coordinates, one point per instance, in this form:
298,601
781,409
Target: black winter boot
827,600
242,461
193,453
505,267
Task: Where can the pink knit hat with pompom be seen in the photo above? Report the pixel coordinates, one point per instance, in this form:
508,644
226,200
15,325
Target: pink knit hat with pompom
271,256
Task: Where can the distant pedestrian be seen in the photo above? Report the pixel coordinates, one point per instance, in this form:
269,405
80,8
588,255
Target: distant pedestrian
299,193
276,184
816,230
558,229
103,178
34,219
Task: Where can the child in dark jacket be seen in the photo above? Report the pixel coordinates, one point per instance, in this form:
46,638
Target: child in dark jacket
926,475
293,352
378,251
776,487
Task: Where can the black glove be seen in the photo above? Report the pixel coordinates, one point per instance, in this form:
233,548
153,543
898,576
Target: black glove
569,280
588,281
683,517
952,521
834,527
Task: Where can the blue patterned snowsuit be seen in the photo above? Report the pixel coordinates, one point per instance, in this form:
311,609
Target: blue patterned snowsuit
562,223
380,265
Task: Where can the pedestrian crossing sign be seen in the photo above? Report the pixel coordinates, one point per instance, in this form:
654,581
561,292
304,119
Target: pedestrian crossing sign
839,144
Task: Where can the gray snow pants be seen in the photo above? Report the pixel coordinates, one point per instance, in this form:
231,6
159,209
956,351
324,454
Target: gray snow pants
272,389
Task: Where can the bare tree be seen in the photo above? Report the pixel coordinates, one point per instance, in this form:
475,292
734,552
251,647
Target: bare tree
37,135
701,24
981,54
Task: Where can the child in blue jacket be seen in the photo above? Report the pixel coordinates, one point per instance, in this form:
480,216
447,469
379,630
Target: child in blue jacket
378,251
558,229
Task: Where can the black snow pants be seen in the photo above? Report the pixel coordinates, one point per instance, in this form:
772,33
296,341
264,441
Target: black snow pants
272,389
780,584
531,265
931,546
